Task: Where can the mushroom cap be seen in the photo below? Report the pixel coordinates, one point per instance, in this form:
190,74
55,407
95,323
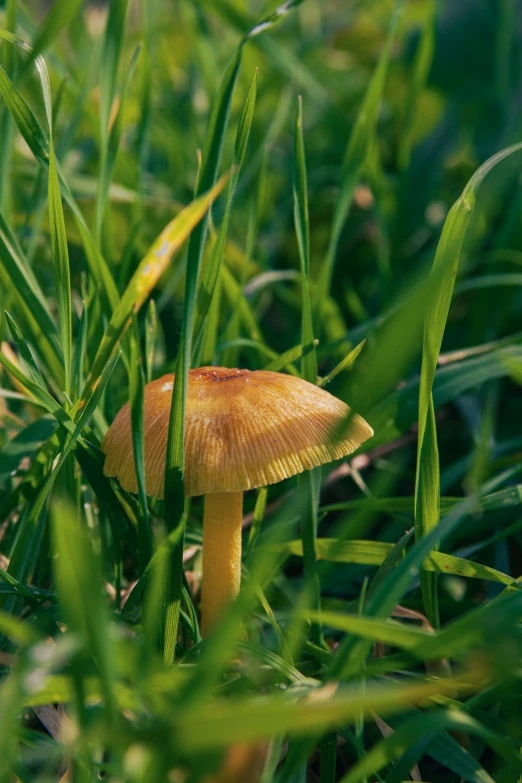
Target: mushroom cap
243,429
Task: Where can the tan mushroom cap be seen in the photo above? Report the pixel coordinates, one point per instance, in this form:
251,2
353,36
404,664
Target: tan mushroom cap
243,429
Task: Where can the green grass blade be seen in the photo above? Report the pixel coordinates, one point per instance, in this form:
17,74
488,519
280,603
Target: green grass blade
302,229
215,725
310,483
38,143
396,413
361,139
212,269
233,329
172,506
78,579
79,353
23,279
111,144
110,60
60,257
25,353
387,631
151,336
427,486
38,505
41,395
153,265
136,398
207,174
427,508
343,365
391,748
375,553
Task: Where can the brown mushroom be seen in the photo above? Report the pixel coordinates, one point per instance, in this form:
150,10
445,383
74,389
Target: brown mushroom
243,429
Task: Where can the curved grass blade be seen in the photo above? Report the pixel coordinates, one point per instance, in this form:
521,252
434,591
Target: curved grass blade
388,632
91,468
389,592
41,395
375,552
35,517
26,443
445,267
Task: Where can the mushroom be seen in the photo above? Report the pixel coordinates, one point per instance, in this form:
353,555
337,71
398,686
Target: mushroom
243,429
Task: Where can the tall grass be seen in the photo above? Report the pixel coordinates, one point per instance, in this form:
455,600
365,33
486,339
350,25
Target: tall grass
319,189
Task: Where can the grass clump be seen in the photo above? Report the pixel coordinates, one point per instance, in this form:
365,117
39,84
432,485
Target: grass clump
327,192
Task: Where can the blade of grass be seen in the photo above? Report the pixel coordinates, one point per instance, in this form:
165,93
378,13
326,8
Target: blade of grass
24,281
151,336
175,442
111,53
302,230
149,271
79,352
361,139
18,562
6,126
212,269
218,724
391,748
174,463
60,258
343,365
111,145
375,552
77,573
309,484
136,398
445,266
38,143
25,353
233,329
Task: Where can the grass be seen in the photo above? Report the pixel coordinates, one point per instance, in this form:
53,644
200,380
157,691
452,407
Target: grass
321,189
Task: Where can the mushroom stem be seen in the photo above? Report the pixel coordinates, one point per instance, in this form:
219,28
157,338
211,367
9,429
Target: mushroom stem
221,555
